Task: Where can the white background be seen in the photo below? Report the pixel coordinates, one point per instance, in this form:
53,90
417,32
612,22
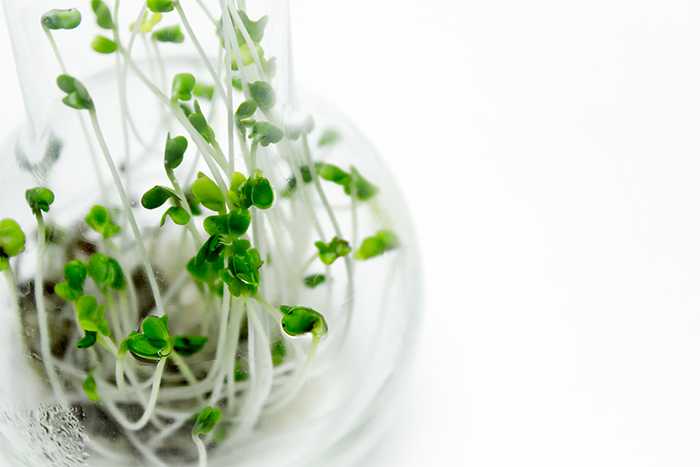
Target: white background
549,153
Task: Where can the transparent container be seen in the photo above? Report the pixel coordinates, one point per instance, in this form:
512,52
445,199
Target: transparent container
254,303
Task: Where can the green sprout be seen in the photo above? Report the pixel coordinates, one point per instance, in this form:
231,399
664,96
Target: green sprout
75,272
153,343
188,345
208,193
205,92
314,280
169,34
12,241
266,133
328,253
90,387
39,199
104,17
100,221
183,84
263,94
106,272
174,151
78,97
157,196
103,45
329,137
383,241
256,29
91,316
160,6
147,23
299,320
61,19
206,421
199,122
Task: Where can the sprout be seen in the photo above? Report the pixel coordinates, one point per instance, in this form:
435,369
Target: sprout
299,320
39,199
199,122
189,345
266,133
90,387
78,97
103,45
205,92
71,289
385,240
153,343
174,151
12,240
329,137
328,253
91,317
183,84
61,19
104,17
160,6
170,34
263,94
99,220
157,196
178,214
256,29
106,272
208,193
313,280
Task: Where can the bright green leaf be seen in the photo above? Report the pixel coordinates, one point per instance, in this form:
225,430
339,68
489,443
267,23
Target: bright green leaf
103,45
39,199
169,34
61,19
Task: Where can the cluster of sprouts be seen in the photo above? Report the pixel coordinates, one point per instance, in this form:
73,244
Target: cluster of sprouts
128,346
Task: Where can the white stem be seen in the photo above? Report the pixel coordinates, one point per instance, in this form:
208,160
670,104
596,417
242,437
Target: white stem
44,338
21,338
201,450
129,213
217,84
151,401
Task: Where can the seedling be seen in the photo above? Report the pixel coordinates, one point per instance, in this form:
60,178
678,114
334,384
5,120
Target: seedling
165,290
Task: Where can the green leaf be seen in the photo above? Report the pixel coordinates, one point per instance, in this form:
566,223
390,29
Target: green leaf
385,240
329,137
238,222
205,92
208,193
175,151
115,271
99,269
263,94
244,265
90,316
12,238
178,214
266,133
365,190
156,329
39,199
301,320
153,344
333,174
205,272
68,293
90,387
169,34
278,351
206,421
246,56
245,110
160,6
87,341
237,84
183,84
215,225
189,345
157,196
269,67
99,220
332,251
147,23
239,373
104,17
314,280
255,29
78,97
104,45
4,263
75,273
209,251
199,122
61,19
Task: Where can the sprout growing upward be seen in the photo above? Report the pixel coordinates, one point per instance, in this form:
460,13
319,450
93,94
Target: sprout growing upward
165,326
